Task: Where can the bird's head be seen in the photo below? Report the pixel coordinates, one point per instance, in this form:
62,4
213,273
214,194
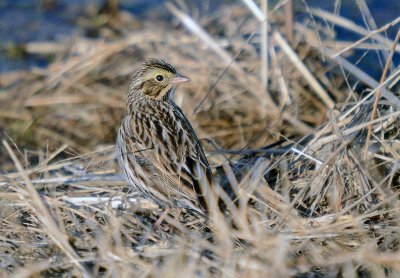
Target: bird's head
155,79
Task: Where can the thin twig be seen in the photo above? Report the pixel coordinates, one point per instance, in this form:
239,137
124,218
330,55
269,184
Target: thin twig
322,94
264,46
348,24
255,10
378,93
193,27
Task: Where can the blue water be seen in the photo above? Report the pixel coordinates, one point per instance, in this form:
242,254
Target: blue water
24,21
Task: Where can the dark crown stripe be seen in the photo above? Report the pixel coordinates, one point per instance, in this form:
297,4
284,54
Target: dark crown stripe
156,63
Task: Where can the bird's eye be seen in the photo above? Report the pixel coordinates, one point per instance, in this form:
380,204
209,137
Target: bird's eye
159,77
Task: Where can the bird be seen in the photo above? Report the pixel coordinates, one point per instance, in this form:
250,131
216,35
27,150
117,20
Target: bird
157,148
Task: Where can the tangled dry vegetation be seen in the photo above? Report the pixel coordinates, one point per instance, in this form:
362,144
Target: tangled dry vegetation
322,202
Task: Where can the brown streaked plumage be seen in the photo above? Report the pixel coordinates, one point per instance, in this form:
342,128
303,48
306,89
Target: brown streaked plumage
157,148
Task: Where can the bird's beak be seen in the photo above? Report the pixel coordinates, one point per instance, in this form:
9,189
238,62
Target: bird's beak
179,79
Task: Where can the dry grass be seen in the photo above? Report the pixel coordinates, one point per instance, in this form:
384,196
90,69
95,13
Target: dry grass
322,203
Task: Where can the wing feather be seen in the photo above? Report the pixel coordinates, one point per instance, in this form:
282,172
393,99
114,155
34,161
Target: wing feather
169,152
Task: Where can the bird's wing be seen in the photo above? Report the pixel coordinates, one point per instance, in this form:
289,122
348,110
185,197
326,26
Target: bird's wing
196,165
197,153
171,145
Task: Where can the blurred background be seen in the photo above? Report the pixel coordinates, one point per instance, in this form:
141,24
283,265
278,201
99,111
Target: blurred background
23,22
